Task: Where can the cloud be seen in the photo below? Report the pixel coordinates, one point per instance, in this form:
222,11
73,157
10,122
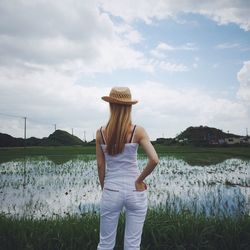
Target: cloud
171,67
128,33
244,80
162,48
221,11
58,34
38,34
46,48
72,36
166,47
228,46
163,109
49,98
160,55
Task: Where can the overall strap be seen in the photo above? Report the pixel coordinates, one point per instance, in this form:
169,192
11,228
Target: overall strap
132,135
103,138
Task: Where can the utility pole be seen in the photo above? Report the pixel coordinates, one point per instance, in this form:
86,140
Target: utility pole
55,126
246,131
25,118
84,132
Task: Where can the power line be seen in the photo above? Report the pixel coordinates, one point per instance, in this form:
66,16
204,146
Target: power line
27,121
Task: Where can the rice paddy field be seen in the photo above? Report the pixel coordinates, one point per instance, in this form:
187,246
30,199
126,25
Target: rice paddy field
197,200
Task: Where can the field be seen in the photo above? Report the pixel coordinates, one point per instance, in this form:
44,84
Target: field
199,199
192,155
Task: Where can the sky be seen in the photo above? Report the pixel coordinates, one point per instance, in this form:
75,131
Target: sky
186,62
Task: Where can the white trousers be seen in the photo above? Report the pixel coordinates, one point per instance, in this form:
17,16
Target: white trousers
112,203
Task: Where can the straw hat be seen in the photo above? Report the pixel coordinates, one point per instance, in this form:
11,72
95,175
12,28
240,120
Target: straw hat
120,95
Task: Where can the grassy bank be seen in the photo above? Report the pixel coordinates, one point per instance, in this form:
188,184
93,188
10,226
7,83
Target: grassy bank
192,155
162,230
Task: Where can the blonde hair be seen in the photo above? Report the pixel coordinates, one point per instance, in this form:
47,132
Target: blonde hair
118,127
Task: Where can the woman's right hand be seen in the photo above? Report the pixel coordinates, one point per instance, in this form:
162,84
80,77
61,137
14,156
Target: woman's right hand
140,186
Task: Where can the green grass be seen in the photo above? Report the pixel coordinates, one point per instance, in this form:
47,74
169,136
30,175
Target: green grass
190,154
204,155
58,154
162,230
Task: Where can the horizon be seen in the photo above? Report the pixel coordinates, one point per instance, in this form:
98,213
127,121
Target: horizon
187,62
151,140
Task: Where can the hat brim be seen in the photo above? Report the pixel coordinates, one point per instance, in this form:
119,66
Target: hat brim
114,100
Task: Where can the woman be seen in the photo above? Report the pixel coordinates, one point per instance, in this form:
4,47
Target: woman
122,184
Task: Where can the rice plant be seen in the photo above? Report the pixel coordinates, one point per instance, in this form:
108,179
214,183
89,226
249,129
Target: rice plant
37,187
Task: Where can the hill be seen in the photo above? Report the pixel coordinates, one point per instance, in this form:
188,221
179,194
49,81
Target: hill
204,135
58,138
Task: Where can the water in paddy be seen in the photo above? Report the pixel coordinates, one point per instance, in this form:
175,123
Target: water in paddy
38,187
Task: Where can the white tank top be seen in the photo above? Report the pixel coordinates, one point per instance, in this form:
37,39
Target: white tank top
121,169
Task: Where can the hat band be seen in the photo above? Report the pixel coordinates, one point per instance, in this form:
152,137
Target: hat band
120,96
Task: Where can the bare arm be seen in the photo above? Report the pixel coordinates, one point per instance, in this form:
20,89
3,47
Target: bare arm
100,159
153,160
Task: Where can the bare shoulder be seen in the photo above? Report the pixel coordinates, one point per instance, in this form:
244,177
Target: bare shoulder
139,129
140,132
98,133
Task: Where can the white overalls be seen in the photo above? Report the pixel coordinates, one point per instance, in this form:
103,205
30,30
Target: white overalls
118,193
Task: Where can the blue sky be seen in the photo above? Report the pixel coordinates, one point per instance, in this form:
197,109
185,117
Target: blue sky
187,62
206,37
217,65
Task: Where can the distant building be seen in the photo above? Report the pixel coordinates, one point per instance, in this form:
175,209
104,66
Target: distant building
232,140
245,139
237,140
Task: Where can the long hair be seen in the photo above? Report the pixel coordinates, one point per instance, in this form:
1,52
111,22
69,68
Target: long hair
118,127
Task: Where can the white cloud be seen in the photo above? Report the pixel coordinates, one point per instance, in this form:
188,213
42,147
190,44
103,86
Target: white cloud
228,46
59,34
129,33
157,54
49,97
160,53
227,12
244,80
68,35
162,48
164,109
172,67
221,11
46,47
167,47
